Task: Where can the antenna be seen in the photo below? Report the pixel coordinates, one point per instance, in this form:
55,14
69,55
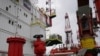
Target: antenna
16,22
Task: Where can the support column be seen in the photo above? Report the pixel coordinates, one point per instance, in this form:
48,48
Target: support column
15,46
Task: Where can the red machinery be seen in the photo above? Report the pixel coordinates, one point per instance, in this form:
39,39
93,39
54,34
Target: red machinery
84,17
39,46
85,24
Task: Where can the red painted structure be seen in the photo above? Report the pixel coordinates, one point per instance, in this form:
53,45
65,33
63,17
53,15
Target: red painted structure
85,24
50,12
84,18
64,51
39,46
15,46
97,5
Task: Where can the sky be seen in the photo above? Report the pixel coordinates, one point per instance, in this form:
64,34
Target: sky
62,7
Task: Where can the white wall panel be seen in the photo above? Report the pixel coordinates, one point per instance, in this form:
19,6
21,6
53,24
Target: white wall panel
4,24
1,4
24,30
36,29
28,49
42,31
11,6
22,15
4,4
3,43
12,9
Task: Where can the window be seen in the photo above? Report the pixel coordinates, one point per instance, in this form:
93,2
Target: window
20,26
9,6
15,6
6,8
9,21
31,19
27,4
12,22
20,9
25,15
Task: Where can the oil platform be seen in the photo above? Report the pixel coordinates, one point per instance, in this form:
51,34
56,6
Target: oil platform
87,28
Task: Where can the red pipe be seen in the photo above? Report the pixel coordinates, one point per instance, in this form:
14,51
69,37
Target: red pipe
15,46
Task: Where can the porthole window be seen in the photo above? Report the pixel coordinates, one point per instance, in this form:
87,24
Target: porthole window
20,9
12,22
25,15
31,19
15,6
9,6
6,8
20,26
9,21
